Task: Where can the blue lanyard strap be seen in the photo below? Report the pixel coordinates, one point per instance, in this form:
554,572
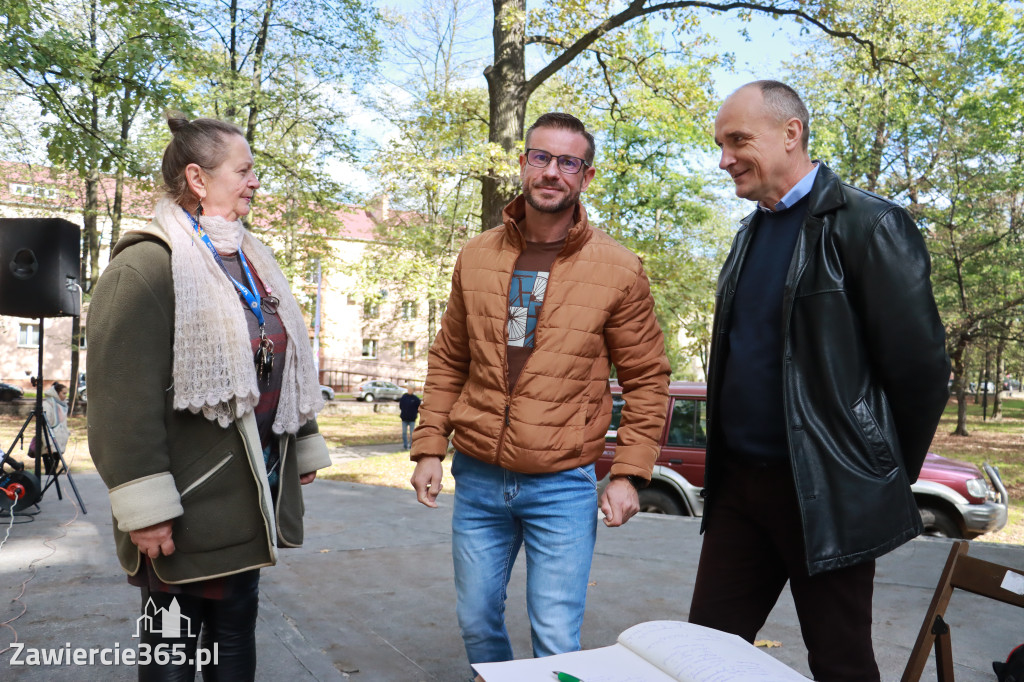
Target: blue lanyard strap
252,294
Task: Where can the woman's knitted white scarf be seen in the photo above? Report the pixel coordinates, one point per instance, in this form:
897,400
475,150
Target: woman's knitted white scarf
213,360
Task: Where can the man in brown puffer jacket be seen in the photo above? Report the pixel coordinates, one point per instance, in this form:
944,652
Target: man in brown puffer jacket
518,375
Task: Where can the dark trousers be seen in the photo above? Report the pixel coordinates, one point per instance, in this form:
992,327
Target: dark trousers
230,623
753,545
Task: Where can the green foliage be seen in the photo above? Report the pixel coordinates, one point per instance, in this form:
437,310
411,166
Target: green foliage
943,138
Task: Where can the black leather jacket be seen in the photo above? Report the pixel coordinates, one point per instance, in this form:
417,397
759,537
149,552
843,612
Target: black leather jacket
865,372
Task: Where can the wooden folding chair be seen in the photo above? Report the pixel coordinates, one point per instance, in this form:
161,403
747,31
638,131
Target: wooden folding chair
971,575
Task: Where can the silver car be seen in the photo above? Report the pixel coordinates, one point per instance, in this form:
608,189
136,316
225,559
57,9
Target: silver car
369,391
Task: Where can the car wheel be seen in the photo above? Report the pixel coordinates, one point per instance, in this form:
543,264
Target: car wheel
7,395
656,501
326,395
939,524
368,398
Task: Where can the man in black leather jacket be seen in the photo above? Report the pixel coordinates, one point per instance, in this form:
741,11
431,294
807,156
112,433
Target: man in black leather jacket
828,376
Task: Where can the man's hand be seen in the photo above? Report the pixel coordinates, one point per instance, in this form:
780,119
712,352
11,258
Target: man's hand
154,540
619,502
306,479
426,480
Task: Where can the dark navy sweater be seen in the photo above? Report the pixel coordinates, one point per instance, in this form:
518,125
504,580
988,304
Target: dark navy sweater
750,409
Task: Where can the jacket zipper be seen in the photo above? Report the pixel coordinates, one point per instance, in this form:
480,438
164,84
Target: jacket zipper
510,394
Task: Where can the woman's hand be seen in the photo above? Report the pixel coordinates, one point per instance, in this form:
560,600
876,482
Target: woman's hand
154,540
307,478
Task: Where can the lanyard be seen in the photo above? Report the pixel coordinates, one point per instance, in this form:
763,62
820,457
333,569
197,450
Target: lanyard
252,295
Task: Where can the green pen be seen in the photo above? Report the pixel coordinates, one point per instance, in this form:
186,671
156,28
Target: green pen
565,677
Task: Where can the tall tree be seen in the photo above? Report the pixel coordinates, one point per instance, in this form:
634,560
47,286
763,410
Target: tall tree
91,68
567,30
429,170
284,71
941,139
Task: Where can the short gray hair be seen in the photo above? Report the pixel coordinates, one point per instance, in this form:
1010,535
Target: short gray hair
784,103
202,141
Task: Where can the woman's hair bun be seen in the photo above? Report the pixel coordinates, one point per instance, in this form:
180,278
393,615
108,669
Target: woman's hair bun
176,121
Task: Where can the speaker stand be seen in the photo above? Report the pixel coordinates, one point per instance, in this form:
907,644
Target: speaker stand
46,445
47,449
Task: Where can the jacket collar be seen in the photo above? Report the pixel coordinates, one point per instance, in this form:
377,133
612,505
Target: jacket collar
826,195
515,213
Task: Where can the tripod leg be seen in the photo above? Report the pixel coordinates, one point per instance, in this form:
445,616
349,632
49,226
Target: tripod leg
45,453
74,488
60,467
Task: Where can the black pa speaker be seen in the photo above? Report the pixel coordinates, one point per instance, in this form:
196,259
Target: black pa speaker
39,267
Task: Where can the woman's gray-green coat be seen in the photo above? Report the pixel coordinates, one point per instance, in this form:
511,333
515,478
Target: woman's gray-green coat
160,463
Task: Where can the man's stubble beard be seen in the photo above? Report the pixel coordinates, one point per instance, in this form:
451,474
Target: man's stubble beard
568,202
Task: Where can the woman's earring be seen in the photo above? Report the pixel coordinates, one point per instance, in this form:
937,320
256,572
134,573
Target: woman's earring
199,210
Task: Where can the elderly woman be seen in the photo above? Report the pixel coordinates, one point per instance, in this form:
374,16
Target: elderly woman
202,402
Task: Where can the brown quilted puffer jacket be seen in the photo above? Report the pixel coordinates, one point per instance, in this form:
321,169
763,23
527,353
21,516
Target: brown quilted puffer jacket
597,308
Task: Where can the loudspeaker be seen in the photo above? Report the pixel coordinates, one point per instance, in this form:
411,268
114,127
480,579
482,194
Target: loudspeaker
38,256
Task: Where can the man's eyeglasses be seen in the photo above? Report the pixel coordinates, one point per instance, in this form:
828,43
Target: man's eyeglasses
567,164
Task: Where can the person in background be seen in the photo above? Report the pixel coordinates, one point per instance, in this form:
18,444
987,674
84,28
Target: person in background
827,380
541,307
409,407
55,414
202,403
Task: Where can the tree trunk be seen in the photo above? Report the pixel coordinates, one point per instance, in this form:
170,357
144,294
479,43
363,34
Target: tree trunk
91,233
960,385
115,216
997,399
431,321
506,80
257,74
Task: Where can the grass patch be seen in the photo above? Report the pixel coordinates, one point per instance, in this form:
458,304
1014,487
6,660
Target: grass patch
392,470
999,443
360,429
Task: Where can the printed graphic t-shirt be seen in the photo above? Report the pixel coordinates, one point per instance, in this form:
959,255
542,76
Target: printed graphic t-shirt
525,298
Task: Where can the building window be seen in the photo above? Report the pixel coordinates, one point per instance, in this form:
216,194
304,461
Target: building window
410,309
408,350
28,335
369,348
371,310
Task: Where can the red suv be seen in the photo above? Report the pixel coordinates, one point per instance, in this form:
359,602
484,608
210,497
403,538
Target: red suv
954,498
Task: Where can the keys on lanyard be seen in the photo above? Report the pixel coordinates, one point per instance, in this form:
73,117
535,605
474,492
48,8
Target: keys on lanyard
264,357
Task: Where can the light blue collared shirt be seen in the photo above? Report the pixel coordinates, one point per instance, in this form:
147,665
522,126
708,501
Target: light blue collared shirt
799,191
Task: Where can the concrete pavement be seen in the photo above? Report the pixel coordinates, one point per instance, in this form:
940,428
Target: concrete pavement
370,596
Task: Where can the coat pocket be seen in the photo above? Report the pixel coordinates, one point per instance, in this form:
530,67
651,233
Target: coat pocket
879,456
221,508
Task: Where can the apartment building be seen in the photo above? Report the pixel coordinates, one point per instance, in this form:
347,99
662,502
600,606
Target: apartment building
352,345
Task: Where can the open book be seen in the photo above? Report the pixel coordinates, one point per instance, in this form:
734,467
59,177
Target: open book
657,651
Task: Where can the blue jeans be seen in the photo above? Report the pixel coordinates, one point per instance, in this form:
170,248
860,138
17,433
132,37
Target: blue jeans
497,511
407,428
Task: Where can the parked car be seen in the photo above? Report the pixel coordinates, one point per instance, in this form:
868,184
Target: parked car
954,497
369,391
10,391
327,392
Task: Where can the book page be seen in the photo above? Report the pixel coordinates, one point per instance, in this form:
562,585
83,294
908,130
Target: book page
613,663
692,653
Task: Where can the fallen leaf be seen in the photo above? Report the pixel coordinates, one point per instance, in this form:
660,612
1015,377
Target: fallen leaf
767,644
